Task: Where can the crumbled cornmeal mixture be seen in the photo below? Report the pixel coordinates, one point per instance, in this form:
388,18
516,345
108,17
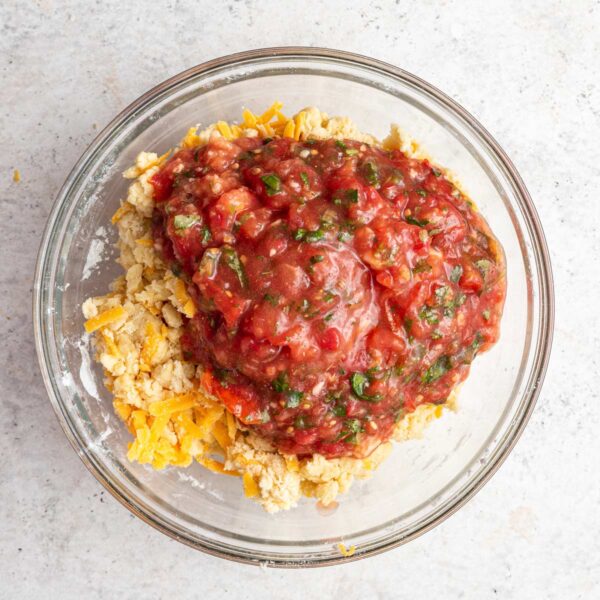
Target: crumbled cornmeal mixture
158,394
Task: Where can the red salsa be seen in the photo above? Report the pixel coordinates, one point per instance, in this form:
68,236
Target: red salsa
338,286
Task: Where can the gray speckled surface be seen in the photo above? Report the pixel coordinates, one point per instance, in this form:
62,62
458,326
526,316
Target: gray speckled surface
527,70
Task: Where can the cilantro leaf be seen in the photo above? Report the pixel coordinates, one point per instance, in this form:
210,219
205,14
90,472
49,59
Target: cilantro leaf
439,368
272,184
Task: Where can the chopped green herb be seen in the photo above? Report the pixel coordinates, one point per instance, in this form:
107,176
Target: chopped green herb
222,376
412,221
358,382
272,300
302,422
272,184
450,306
339,410
371,172
422,193
329,296
205,235
304,178
436,334
314,236
423,235
352,195
421,267
484,266
340,145
352,427
232,260
372,371
351,151
429,315
456,273
486,314
477,341
328,317
408,323
280,383
441,366
441,293
293,398
184,221
435,172
316,258
299,234
267,140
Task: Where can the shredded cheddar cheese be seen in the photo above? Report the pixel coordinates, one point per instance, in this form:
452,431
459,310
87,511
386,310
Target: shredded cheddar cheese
188,306
16,176
121,212
249,118
225,130
270,112
216,466
250,487
171,406
105,318
191,139
289,130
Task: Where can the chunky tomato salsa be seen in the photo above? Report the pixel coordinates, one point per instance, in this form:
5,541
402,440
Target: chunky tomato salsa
338,286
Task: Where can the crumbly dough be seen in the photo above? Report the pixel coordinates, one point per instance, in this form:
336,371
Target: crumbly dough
158,394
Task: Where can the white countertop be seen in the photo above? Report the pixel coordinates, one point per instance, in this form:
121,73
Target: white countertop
527,70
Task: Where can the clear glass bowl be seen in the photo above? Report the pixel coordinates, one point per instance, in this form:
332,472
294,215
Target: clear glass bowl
424,480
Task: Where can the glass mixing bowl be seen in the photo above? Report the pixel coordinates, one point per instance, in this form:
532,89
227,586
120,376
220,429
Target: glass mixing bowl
424,480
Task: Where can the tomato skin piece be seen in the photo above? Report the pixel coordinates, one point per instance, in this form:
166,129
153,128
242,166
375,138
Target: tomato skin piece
330,340
162,182
239,401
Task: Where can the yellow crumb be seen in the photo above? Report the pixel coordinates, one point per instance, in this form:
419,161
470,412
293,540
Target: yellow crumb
346,551
16,176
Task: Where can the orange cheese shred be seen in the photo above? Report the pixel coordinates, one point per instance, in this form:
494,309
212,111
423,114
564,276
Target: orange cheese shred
172,405
251,488
105,318
215,466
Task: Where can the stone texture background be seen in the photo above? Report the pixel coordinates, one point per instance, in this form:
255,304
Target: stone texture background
527,70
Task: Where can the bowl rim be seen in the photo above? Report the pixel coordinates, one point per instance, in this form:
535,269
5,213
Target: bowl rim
539,250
